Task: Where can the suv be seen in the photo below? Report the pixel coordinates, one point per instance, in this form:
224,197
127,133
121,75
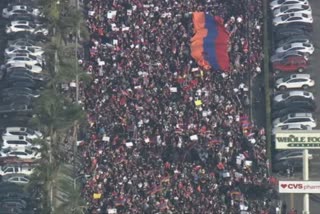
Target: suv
295,81
295,118
29,133
17,142
291,64
10,169
281,97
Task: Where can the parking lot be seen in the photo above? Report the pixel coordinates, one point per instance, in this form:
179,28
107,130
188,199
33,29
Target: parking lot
296,200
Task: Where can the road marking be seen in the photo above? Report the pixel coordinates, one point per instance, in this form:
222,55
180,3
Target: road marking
291,200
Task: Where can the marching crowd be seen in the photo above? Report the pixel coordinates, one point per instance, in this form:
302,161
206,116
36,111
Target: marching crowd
166,136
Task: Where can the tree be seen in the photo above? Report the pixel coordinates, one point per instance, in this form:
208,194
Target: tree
74,203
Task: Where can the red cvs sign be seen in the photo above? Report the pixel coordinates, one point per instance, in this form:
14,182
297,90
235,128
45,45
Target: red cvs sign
292,186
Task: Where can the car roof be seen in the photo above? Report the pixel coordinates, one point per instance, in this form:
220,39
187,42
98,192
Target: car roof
304,76
15,128
298,93
300,115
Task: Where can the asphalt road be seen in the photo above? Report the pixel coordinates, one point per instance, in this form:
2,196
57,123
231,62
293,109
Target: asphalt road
296,200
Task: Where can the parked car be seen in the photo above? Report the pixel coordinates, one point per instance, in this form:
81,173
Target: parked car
23,49
293,18
294,81
285,9
290,154
283,165
22,154
16,178
284,96
291,127
17,66
293,109
287,55
298,103
24,42
26,27
25,169
291,64
282,33
295,118
26,74
19,9
17,142
278,3
306,48
29,60
29,133
16,90
14,108
300,38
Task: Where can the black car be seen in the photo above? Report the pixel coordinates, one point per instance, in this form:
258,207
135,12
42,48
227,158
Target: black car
304,26
25,73
14,108
286,33
300,38
17,99
304,103
283,165
20,91
289,110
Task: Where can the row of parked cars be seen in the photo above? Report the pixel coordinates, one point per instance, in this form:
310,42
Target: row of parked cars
22,78
292,103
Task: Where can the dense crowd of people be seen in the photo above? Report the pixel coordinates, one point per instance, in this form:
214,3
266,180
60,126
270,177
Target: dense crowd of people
166,136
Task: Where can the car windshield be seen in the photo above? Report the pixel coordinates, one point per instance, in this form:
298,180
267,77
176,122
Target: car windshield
284,8
285,96
28,151
285,79
30,131
284,118
285,17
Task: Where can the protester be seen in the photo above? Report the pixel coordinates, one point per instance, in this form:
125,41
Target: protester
166,136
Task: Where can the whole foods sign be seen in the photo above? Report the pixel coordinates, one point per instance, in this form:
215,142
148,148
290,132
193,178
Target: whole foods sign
299,186
297,139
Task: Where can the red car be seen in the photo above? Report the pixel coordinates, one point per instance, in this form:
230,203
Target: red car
291,64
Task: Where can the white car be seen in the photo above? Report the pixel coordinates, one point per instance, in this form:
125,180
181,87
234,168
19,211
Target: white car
25,26
29,133
283,10
289,94
305,48
291,127
29,60
25,169
23,49
22,154
33,68
19,9
23,42
278,3
17,142
16,178
293,18
295,81
305,119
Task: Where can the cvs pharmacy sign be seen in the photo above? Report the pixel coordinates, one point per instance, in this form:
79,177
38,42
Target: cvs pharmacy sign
299,186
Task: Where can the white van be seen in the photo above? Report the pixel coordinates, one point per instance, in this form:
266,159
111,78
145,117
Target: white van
17,142
29,133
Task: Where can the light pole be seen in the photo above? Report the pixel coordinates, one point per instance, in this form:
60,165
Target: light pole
75,181
306,209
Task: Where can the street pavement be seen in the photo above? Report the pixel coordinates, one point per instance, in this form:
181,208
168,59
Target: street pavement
296,200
